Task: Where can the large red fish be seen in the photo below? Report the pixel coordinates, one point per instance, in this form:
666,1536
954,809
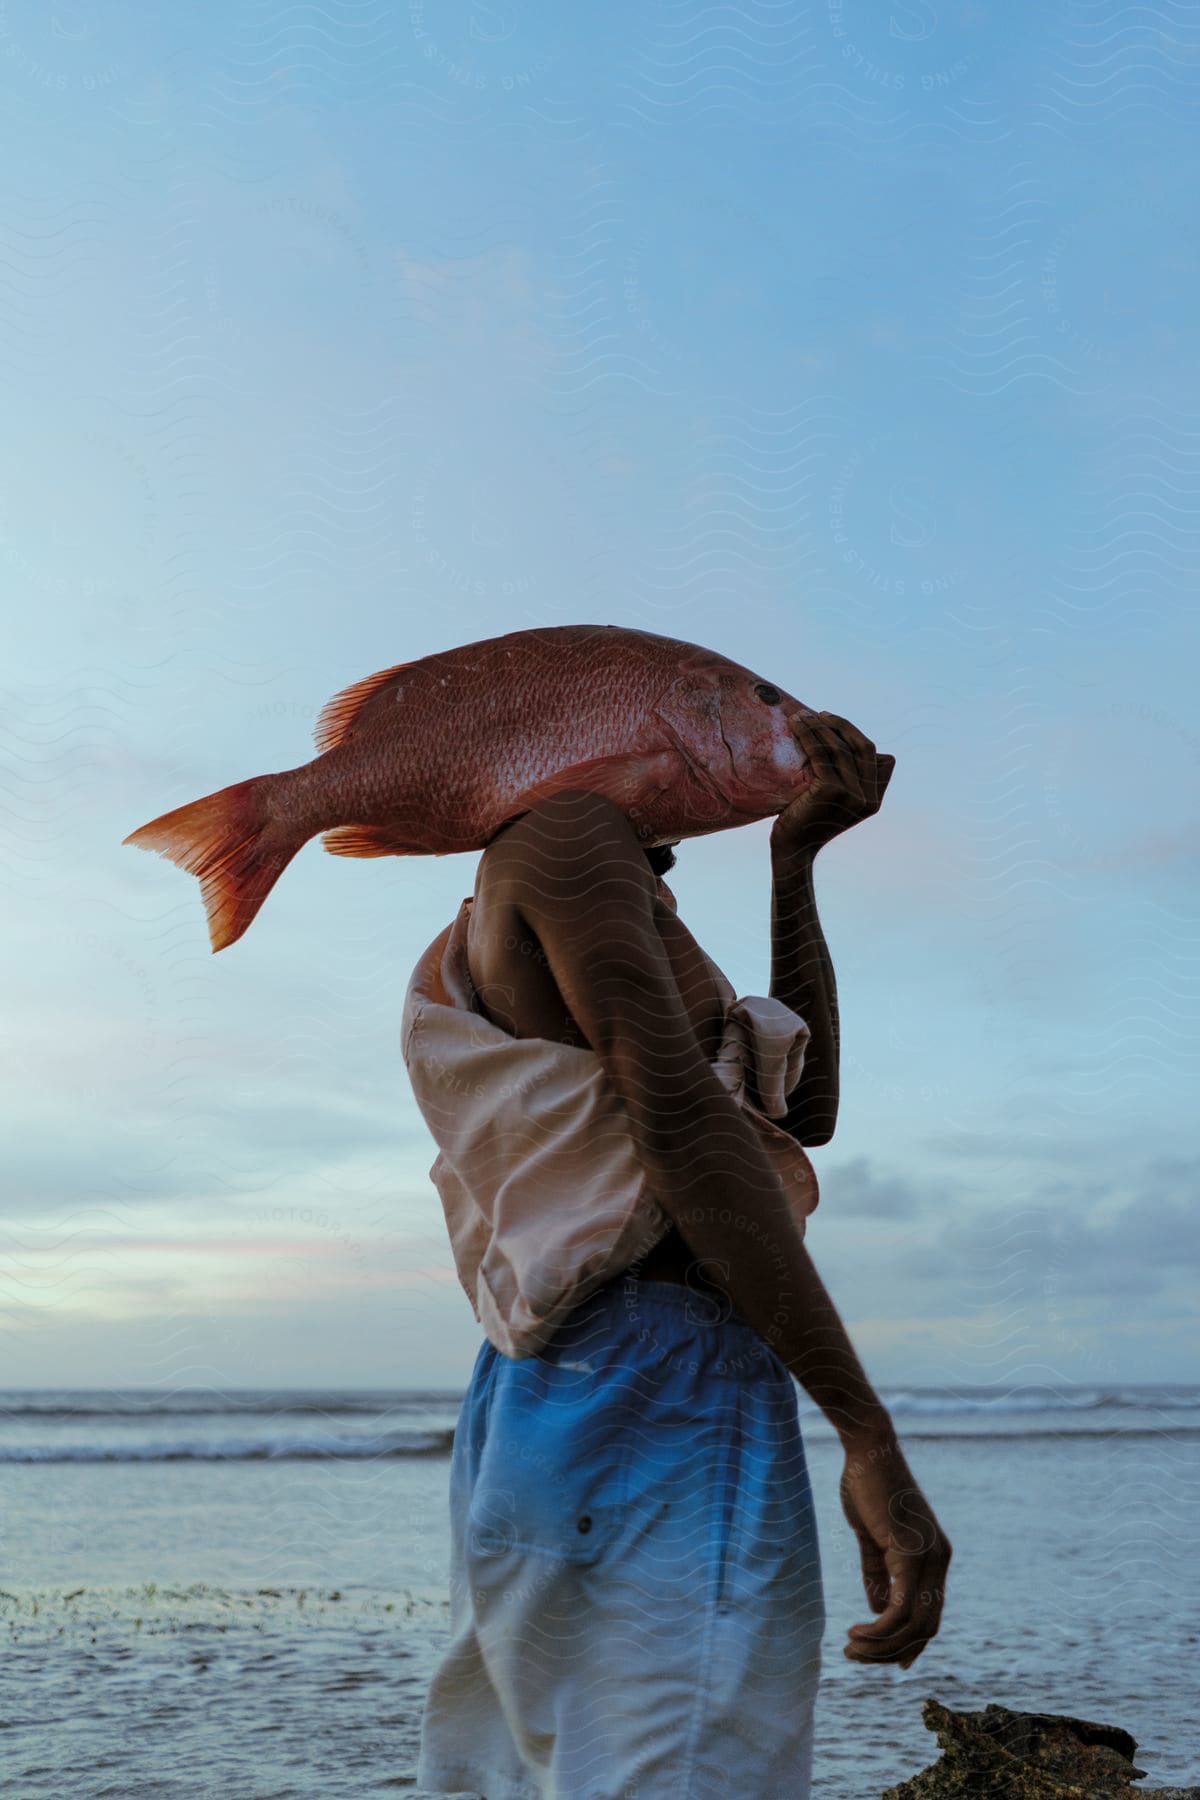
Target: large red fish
434,756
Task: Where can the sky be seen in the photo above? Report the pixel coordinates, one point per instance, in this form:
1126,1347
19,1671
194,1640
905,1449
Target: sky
854,343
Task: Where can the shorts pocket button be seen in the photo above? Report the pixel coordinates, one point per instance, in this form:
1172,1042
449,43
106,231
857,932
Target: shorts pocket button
584,1524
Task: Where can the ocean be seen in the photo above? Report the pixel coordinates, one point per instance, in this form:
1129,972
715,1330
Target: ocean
243,1593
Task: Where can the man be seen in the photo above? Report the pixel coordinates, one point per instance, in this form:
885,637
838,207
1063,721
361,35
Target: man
637,1601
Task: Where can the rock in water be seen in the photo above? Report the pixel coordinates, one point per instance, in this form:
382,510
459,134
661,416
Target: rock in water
1001,1755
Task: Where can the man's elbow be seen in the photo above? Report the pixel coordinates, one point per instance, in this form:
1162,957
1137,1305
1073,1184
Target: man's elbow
812,1126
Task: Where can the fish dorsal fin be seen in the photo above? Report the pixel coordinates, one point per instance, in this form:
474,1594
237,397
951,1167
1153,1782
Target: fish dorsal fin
337,716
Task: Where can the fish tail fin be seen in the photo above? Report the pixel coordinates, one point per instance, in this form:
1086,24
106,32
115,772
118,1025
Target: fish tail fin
232,841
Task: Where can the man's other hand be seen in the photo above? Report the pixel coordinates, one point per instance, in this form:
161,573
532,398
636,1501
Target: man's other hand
905,1554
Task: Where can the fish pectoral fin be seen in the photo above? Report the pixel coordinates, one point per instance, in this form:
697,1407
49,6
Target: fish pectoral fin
639,776
364,840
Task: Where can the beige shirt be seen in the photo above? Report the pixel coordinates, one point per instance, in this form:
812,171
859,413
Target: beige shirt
543,1194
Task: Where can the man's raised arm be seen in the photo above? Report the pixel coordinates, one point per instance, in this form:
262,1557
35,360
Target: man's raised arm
849,780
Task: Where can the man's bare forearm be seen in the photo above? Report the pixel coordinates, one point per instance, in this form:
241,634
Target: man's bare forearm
802,977
714,1181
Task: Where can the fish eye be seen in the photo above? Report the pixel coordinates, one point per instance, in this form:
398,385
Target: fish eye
766,692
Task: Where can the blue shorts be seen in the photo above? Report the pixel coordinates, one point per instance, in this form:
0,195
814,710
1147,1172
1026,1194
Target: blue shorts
636,1596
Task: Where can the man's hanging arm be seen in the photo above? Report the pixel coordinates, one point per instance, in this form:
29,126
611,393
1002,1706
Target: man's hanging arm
576,875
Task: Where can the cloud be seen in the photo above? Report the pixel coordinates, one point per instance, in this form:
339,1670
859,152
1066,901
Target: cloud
1070,1238
204,1153
855,1190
